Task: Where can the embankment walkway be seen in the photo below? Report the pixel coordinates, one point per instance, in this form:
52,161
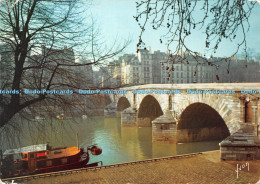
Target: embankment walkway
200,168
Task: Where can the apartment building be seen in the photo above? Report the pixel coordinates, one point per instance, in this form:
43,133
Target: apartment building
147,67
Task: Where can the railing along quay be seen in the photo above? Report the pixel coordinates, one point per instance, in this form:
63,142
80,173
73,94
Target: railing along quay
60,173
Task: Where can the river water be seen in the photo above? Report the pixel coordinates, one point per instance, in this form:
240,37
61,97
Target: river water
119,144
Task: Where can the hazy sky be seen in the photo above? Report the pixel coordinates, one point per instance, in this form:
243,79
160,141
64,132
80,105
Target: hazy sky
115,19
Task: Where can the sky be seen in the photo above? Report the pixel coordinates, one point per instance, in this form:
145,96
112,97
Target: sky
115,20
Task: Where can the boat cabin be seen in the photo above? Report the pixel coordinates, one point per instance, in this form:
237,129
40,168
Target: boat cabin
42,158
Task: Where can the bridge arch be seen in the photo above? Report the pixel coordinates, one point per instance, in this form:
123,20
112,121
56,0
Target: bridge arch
200,122
122,104
148,110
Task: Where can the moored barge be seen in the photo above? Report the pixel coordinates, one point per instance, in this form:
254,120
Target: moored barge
36,159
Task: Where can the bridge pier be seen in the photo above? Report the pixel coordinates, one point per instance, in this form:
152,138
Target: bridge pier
164,129
128,117
144,122
243,145
110,111
118,114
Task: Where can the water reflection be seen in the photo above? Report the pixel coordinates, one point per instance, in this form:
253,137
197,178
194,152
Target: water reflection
119,144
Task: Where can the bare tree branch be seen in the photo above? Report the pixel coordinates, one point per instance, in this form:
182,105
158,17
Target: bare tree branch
42,39
219,20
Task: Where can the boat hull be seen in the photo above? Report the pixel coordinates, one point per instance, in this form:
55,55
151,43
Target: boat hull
38,159
75,165
79,160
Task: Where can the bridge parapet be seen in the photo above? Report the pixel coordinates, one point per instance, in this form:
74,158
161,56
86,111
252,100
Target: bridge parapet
237,104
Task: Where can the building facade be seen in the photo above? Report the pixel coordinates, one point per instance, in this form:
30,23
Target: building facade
147,67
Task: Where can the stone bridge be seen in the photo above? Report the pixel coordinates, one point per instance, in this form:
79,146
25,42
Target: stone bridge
187,112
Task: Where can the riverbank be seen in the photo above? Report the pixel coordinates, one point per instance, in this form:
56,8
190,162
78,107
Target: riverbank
203,168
